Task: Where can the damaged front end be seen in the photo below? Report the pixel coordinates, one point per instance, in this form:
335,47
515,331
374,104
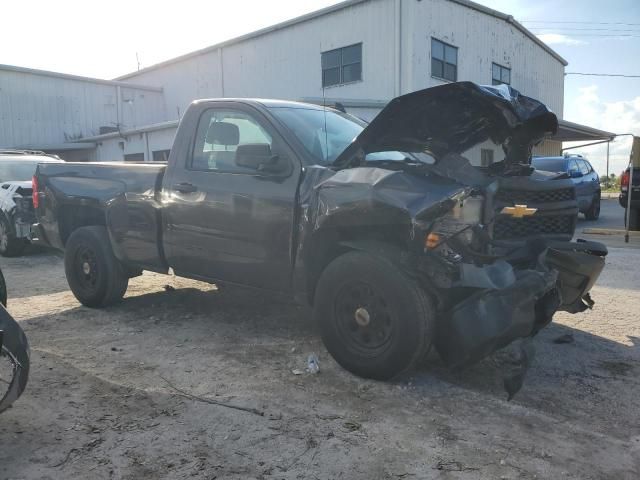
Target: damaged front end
490,300
14,356
492,245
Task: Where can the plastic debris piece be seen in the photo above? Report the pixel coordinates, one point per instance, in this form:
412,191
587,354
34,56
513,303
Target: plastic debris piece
313,365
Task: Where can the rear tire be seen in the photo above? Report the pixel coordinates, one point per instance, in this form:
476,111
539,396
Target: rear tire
375,321
594,210
10,245
94,274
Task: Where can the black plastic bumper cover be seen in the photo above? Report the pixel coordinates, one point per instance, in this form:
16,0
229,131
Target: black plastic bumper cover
15,347
511,304
490,320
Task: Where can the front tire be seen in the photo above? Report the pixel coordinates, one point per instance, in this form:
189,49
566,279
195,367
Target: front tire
94,274
10,245
594,210
375,321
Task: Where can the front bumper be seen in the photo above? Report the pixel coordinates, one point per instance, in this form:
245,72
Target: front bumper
504,303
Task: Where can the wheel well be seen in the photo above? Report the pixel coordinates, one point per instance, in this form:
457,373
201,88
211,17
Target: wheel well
328,245
72,218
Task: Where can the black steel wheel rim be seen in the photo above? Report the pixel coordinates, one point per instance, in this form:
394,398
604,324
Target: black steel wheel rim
86,267
364,318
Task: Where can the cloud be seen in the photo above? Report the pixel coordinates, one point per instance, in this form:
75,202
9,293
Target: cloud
559,39
618,117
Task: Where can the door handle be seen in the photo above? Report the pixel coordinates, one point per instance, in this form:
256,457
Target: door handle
185,187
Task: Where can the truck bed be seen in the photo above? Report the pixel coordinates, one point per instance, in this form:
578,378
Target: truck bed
123,197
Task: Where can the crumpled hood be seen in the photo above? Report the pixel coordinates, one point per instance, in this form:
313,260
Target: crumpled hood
451,119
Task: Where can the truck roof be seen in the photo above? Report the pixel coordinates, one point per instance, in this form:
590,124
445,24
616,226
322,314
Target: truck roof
265,102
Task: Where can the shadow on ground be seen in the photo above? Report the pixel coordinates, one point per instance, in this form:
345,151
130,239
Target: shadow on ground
250,329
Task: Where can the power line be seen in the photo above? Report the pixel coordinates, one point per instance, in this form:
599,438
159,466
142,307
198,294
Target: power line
586,29
602,74
580,23
626,35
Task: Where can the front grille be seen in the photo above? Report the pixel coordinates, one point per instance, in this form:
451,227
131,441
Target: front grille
508,228
527,197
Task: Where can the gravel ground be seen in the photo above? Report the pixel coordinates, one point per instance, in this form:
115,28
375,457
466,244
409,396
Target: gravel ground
134,392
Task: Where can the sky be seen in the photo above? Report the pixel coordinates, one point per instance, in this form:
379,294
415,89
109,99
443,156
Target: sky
107,39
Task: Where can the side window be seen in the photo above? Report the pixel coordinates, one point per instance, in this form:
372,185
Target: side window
444,60
161,155
486,157
584,167
134,157
500,75
573,166
231,142
342,65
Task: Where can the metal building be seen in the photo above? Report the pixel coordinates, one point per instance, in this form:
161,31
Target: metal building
56,112
359,53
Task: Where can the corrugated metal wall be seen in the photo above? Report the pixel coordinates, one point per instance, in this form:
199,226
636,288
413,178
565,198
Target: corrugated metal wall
38,109
481,40
285,63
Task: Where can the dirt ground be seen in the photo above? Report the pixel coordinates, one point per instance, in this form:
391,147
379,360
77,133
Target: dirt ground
104,397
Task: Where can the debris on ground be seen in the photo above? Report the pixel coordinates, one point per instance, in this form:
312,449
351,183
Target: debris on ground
352,426
563,339
452,466
313,365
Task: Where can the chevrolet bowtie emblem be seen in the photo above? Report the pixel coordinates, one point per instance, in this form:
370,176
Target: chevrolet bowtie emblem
519,211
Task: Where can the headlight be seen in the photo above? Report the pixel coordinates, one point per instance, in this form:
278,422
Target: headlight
458,223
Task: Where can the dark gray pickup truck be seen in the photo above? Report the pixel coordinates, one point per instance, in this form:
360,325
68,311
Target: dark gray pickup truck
385,229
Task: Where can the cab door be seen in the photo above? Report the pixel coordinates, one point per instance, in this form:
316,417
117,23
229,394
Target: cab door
232,201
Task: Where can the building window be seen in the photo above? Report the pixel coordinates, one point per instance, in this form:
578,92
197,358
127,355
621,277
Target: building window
486,157
500,74
134,157
342,65
161,155
444,60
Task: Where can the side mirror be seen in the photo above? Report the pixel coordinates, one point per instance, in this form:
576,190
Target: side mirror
258,156
275,164
575,174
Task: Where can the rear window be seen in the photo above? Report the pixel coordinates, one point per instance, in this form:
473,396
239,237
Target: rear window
549,164
17,171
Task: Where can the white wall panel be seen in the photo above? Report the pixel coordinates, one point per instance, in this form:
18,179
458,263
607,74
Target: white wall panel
481,40
44,110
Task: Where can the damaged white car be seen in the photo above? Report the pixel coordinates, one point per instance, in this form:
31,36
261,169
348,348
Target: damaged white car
16,205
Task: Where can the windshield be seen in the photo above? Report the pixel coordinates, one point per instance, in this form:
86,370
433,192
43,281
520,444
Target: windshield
549,164
17,171
308,125
326,144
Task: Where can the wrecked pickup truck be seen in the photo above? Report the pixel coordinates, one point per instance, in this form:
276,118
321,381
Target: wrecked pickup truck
386,229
